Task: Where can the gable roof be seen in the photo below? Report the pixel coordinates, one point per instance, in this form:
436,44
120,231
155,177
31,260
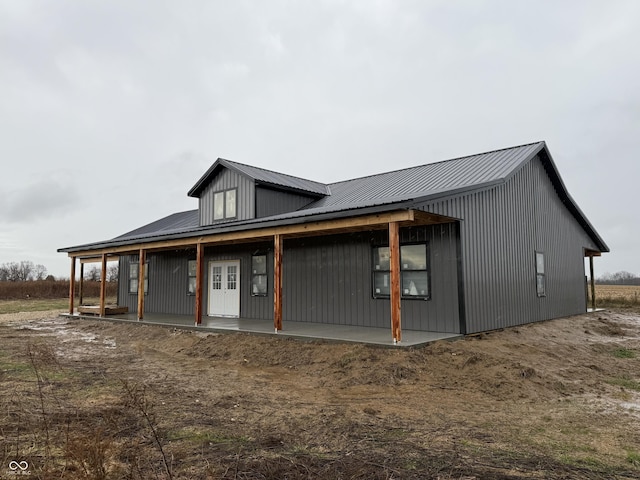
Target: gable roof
424,181
381,192
261,176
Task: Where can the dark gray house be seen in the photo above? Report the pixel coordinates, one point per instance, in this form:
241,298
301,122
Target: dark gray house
460,246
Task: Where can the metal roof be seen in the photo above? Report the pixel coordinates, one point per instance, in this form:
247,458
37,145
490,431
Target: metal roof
390,190
262,176
176,222
430,179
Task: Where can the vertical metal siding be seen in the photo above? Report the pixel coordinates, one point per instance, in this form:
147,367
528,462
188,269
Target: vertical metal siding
273,202
225,180
328,280
500,232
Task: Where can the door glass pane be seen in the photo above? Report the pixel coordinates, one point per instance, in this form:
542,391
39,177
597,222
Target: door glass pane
231,277
231,204
413,257
216,278
218,206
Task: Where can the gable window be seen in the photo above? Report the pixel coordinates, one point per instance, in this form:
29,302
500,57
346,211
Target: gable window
224,204
192,267
259,275
540,275
414,272
134,270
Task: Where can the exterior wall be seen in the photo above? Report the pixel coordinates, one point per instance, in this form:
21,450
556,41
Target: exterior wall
168,282
329,280
501,230
325,280
245,199
273,202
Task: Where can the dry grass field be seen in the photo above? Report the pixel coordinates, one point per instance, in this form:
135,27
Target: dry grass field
618,295
96,400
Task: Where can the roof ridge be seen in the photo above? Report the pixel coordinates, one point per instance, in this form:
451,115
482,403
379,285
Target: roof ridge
273,171
435,163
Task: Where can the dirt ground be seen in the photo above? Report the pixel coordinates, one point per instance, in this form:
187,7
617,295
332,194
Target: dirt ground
99,400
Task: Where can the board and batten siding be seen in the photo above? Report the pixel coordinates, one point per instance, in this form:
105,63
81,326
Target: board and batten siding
329,280
273,202
501,230
225,180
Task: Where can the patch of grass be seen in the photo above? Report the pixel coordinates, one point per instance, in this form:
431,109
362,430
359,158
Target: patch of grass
43,304
623,353
204,436
633,458
14,368
626,382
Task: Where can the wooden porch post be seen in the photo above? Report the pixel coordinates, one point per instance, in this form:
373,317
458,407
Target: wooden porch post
143,255
593,283
80,292
277,282
103,285
199,258
72,284
394,259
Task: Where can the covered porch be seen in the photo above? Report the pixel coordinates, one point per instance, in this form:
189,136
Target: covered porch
390,221
300,330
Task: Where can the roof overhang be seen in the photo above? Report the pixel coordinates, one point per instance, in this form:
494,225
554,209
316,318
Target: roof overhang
259,233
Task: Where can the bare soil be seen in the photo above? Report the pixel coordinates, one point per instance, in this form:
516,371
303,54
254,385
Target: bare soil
86,399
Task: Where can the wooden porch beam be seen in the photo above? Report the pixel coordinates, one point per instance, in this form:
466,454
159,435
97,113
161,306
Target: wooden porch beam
593,283
72,284
199,266
143,258
394,260
362,222
277,282
81,288
103,285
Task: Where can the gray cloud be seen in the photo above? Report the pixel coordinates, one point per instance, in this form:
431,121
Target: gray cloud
109,96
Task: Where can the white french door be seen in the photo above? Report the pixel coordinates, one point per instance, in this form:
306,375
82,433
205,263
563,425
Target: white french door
224,288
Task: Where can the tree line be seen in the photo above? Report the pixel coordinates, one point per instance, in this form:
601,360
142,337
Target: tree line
619,278
27,271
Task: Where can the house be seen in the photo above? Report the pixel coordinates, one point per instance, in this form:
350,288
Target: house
461,246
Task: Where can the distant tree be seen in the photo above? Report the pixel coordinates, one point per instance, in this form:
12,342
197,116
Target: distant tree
39,272
4,273
50,278
93,274
619,278
112,272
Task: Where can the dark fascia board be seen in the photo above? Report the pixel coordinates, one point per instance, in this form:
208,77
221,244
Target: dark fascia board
240,226
223,163
556,180
551,169
197,188
282,188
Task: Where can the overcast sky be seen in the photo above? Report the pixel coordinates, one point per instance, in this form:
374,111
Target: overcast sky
111,111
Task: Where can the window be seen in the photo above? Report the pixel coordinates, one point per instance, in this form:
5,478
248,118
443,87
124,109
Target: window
259,275
134,268
224,204
540,280
414,273
191,272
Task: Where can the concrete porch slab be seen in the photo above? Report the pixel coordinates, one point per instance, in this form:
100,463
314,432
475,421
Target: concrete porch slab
300,330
